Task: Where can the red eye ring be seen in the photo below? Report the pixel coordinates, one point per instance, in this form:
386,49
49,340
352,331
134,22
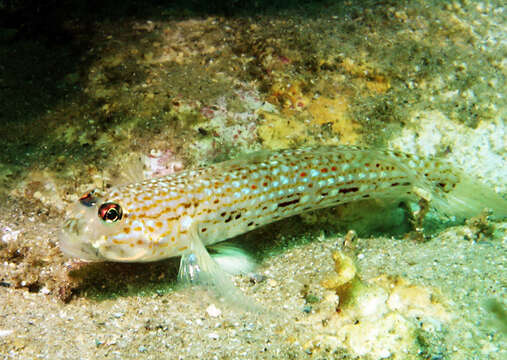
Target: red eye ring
110,212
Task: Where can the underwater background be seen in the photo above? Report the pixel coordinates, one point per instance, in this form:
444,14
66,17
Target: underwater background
87,88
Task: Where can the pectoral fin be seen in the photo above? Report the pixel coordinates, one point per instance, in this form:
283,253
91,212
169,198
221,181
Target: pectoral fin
197,267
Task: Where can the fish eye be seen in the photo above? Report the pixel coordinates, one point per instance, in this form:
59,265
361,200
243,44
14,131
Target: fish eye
110,212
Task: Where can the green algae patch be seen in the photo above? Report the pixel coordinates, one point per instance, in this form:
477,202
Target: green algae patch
342,72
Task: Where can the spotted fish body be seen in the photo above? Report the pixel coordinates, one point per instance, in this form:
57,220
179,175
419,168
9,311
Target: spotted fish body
172,215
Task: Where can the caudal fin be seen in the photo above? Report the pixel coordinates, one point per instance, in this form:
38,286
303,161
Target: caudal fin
468,198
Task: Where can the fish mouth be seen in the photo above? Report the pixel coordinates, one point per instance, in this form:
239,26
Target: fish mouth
74,243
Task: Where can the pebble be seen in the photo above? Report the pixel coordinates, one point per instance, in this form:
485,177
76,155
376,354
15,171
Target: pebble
9,234
5,332
45,291
272,283
213,311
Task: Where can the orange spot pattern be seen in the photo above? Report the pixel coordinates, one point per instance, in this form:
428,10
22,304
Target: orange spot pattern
259,191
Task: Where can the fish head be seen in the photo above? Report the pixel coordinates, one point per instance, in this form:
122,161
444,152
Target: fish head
121,225
97,229
88,223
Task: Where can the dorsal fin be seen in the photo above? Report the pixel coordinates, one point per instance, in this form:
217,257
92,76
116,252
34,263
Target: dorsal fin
132,172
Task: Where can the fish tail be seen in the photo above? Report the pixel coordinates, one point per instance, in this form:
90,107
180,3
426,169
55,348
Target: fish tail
455,194
468,198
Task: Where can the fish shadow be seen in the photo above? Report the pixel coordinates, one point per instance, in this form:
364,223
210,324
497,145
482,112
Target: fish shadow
110,280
